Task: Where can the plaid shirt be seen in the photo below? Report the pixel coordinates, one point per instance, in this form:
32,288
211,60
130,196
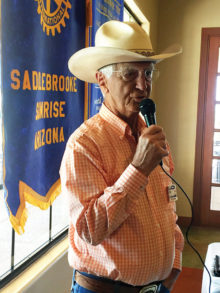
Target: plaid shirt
122,225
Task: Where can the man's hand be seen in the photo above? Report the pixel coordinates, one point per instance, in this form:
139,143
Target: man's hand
151,148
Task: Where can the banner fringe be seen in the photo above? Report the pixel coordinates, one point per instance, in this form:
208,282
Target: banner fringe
27,194
18,224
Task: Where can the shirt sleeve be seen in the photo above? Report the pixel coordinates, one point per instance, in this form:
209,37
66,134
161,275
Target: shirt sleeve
179,245
96,209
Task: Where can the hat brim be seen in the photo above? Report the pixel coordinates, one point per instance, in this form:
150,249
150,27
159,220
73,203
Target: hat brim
85,63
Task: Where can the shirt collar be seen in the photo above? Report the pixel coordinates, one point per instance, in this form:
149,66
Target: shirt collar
117,123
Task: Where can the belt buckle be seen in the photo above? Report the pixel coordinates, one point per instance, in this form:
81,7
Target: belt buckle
149,289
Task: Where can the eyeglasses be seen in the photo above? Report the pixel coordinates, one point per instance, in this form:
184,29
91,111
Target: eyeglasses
130,74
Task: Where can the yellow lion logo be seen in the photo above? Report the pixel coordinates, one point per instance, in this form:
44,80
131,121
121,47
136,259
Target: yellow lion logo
53,14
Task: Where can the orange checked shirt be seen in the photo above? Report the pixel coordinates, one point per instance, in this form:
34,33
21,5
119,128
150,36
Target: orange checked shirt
122,225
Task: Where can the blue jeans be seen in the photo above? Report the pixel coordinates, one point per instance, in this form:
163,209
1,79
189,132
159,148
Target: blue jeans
164,289
76,288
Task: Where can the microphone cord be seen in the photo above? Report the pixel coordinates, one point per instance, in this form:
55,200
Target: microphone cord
188,228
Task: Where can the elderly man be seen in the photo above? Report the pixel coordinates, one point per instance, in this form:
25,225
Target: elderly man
123,234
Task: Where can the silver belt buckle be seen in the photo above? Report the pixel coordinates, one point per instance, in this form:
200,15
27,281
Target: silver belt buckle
149,289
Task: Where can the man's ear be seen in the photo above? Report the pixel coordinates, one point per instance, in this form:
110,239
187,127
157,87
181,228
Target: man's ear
102,82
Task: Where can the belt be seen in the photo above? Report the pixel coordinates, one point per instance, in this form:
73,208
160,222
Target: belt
103,285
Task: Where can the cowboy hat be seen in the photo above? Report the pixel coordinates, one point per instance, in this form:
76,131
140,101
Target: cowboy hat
116,42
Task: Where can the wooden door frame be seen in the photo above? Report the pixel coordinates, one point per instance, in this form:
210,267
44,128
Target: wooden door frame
201,119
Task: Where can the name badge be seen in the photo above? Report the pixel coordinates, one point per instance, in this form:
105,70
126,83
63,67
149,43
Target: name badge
172,192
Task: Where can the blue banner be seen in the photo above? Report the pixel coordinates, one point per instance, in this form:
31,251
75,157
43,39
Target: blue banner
43,103
102,11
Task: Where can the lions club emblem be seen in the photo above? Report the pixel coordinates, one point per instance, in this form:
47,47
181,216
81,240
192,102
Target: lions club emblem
53,14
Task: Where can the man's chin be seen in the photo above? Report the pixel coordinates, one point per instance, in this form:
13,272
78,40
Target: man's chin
136,106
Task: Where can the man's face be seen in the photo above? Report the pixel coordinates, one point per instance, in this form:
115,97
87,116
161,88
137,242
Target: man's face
128,85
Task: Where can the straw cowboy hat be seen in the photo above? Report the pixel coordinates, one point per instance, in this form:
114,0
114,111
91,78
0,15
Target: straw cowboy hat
116,42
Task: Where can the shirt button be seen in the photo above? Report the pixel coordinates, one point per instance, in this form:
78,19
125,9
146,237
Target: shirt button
120,189
142,187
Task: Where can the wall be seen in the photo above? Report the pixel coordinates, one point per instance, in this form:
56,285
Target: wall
181,21
150,10
56,278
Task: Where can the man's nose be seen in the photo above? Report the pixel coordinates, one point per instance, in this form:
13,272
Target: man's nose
141,82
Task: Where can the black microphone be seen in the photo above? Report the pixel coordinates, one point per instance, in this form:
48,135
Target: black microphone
148,110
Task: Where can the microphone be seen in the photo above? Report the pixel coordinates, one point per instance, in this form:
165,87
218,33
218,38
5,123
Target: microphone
148,109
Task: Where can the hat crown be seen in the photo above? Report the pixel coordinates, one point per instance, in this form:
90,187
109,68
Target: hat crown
116,42
123,35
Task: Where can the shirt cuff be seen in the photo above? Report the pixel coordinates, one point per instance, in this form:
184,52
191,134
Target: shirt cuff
178,260
132,181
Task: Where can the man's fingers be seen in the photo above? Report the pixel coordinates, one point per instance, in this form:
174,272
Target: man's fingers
153,129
